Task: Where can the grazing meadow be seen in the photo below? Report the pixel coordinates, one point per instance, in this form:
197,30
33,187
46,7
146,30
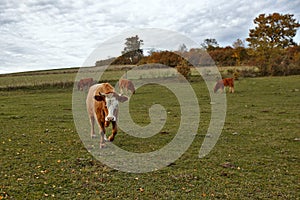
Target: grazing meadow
255,157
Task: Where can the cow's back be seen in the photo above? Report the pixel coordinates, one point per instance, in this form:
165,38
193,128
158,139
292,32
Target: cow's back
229,82
123,83
90,99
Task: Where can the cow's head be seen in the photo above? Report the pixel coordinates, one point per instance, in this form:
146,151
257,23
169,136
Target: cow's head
218,86
112,103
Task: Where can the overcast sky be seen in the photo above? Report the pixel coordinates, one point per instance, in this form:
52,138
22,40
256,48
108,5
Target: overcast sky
46,34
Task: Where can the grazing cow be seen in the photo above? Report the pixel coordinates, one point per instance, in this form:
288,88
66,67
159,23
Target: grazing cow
85,83
102,104
225,82
127,85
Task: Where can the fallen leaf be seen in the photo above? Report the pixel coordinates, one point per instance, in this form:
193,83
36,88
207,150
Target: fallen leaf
224,174
188,190
228,165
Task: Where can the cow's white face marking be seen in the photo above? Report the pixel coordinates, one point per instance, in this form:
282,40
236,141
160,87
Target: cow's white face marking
112,106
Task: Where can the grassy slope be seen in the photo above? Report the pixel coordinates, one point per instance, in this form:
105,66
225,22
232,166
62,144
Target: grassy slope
42,155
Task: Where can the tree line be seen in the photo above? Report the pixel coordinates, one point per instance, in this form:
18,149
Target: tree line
270,48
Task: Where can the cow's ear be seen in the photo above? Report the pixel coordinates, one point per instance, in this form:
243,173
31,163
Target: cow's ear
99,98
121,98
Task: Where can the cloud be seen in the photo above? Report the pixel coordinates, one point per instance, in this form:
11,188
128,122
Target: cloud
42,34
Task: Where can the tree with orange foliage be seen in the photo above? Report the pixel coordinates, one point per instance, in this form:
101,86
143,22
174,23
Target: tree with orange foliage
273,33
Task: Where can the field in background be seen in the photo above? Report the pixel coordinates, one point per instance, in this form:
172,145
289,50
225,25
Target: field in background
66,77
256,157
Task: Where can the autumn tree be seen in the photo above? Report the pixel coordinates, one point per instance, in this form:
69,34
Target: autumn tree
223,56
132,49
182,48
239,52
184,68
274,30
272,34
167,58
238,44
209,44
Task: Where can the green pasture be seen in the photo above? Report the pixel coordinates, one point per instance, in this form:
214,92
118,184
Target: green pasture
256,156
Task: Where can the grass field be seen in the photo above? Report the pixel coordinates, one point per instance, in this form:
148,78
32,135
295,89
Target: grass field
256,156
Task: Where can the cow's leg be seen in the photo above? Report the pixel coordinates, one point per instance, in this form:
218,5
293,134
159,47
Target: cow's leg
102,139
102,135
92,121
101,130
114,131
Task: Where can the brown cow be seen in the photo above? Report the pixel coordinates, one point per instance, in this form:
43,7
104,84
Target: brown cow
85,83
225,82
102,104
127,85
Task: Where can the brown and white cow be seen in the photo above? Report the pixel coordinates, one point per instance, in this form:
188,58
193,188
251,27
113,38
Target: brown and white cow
85,83
224,83
102,104
127,85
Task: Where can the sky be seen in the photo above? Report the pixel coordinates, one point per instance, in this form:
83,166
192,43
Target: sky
50,34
